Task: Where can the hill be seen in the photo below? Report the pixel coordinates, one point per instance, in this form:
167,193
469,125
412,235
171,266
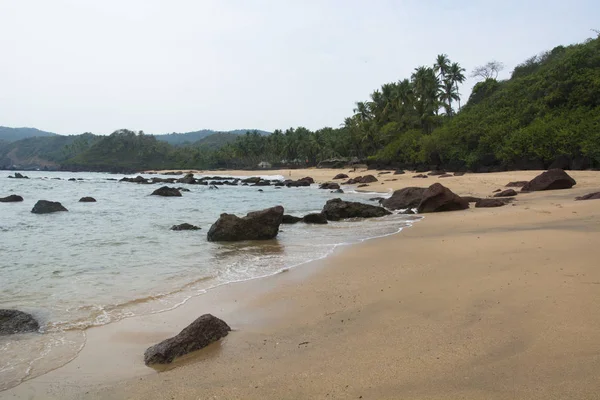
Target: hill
179,139
13,134
217,140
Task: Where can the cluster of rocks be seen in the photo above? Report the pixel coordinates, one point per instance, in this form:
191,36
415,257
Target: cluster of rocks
18,176
361,179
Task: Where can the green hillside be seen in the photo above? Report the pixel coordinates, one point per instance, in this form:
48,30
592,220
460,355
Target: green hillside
13,134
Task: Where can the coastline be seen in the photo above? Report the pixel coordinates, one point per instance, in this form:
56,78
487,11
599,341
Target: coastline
491,313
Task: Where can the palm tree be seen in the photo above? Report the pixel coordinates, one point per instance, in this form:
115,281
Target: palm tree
427,90
456,75
441,66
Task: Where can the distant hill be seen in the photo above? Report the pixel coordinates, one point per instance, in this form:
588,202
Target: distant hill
217,140
178,139
13,134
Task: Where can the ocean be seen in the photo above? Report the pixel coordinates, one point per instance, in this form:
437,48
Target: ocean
117,258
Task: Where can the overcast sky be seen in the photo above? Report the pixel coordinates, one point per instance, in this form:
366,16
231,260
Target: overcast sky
71,66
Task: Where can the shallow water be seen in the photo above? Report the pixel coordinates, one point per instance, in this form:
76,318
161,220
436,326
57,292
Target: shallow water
101,262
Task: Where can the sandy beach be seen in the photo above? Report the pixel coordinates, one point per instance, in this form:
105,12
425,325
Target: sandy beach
496,303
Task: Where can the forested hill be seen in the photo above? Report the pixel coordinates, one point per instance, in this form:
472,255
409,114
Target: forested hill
178,139
14,134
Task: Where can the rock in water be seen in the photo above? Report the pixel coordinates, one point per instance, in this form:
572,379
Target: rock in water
329,185
199,334
485,203
19,176
336,209
257,225
439,198
589,196
13,198
46,207
290,219
15,321
552,179
185,227
189,179
315,218
167,192
87,200
409,197
506,193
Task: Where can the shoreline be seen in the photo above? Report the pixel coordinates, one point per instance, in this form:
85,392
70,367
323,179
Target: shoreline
298,304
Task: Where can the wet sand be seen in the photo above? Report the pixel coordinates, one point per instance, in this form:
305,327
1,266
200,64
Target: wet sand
497,303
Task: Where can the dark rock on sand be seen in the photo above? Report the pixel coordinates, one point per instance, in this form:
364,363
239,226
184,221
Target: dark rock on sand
361,179
435,173
87,200
329,185
399,172
166,191
257,225
446,176
363,185
315,218
439,198
13,198
484,203
409,197
471,199
506,193
185,227
199,334
420,176
290,219
497,190
47,207
15,321
516,184
459,173
341,176
553,179
589,196
336,209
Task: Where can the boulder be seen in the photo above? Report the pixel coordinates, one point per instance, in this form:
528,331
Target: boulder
307,179
445,176
87,200
516,184
506,193
439,198
257,225
166,191
290,219
471,199
384,173
367,179
329,185
341,176
15,321
189,179
589,196
435,173
185,227
137,179
199,334
300,182
485,203
399,172
553,179
363,185
315,218
18,176
337,191
459,173
72,180
47,207
409,197
13,198
420,176
336,209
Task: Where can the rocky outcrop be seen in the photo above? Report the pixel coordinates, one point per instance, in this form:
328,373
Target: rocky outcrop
47,207
341,176
337,209
13,198
485,203
189,179
290,219
15,321
18,176
306,181
589,196
516,184
553,179
409,197
199,334
439,198
257,225
315,218
87,200
166,191
185,227
329,185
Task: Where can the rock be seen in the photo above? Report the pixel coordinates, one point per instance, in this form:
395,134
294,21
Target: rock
72,180
446,176
18,176
589,196
341,176
363,185
189,179
337,191
471,199
409,197
516,184
439,198
420,176
261,183
367,179
306,181
384,173
13,198
290,219
15,321
336,209
459,173
329,185
506,193
434,173
199,334
167,192
260,190
315,218
553,179
185,227
137,179
46,207
497,190
87,200
399,172
484,203
257,225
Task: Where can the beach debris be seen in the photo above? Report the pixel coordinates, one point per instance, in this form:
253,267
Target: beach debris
506,193
303,344
256,225
47,207
336,209
13,198
439,198
18,176
315,218
553,179
409,197
290,219
166,191
341,176
329,185
199,334
15,321
589,196
87,199
485,203
185,227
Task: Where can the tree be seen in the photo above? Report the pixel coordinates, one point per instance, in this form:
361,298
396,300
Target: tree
488,71
442,66
456,76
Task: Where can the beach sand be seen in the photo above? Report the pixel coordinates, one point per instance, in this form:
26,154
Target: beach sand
498,303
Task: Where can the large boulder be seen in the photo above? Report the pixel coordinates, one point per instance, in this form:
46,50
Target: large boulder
506,193
552,179
87,199
47,207
15,321
166,191
315,218
367,179
306,181
589,196
486,203
336,209
409,197
257,225
439,198
184,227
189,179
199,334
341,176
329,185
13,198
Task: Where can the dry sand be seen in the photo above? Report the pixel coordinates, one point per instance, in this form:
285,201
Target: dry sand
498,303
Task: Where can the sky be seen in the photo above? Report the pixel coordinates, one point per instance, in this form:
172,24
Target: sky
74,66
